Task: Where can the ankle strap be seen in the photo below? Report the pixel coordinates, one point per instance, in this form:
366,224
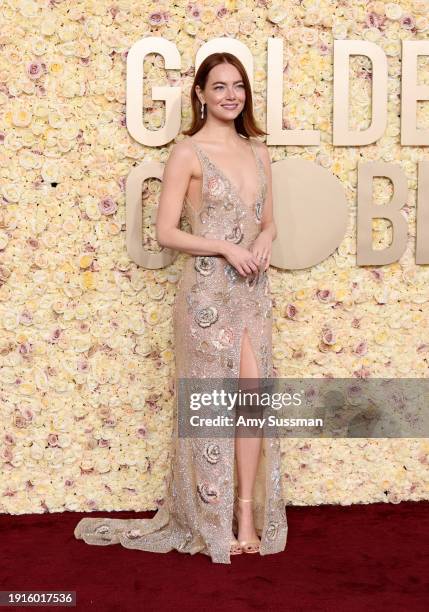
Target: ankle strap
244,500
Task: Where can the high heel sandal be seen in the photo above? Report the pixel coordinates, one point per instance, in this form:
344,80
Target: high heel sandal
235,548
245,544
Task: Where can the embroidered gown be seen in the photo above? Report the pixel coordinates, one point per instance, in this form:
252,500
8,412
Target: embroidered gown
212,307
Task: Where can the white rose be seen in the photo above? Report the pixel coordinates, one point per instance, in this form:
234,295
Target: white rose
48,25
39,46
309,36
68,32
277,13
393,11
339,31
21,117
422,23
372,34
4,239
12,192
51,171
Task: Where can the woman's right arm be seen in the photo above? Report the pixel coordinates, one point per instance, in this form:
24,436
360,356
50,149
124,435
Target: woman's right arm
175,180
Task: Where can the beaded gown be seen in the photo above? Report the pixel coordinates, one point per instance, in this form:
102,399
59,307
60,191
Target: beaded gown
213,306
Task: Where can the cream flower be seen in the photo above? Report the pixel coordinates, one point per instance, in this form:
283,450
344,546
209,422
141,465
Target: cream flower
208,15
48,25
11,192
51,172
276,13
393,11
91,27
309,36
340,31
422,23
21,117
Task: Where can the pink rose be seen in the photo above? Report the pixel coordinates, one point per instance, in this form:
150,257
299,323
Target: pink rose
324,49
291,311
407,22
53,439
24,348
328,336
195,12
141,432
107,206
324,295
55,336
156,18
362,348
373,20
378,275
34,70
82,365
26,318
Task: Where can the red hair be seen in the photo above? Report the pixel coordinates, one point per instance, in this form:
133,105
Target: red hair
245,123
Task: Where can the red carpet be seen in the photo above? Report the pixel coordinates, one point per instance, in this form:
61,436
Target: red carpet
342,558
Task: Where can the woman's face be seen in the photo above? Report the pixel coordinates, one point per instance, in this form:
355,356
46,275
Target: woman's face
224,92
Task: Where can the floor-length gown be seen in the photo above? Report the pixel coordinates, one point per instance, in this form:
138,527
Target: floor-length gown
213,306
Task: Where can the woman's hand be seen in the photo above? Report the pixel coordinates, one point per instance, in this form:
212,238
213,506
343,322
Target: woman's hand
243,260
261,249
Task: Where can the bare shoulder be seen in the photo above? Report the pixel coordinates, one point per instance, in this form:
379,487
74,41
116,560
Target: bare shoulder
183,150
262,149
182,155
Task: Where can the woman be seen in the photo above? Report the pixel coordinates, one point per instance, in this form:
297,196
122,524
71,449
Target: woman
222,327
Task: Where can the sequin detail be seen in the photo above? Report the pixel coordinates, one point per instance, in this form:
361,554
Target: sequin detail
213,306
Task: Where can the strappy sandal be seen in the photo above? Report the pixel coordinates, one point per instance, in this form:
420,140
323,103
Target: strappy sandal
235,548
249,546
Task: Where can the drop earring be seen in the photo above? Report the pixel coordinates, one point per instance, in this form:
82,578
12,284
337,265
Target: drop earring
202,110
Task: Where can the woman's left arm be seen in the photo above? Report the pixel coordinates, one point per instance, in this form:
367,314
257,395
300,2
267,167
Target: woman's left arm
263,243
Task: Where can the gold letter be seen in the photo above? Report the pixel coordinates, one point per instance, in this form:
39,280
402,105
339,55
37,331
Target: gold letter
422,215
171,95
276,134
411,92
341,133
133,207
367,211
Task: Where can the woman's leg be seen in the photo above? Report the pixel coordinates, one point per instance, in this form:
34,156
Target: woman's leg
247,449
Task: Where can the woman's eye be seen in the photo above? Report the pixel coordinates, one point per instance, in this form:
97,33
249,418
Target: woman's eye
220,86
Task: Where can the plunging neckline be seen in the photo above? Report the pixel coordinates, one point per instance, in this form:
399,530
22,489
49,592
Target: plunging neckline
228,180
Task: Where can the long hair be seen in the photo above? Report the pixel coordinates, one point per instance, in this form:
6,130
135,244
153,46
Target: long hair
245,122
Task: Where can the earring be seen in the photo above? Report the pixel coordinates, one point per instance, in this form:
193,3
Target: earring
202,110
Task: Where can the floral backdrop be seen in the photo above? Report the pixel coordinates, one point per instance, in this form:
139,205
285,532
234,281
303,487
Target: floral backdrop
87,355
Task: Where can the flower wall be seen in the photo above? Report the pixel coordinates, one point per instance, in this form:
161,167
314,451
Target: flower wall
86,346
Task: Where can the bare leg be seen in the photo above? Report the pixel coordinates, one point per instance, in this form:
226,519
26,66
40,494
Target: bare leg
247,450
